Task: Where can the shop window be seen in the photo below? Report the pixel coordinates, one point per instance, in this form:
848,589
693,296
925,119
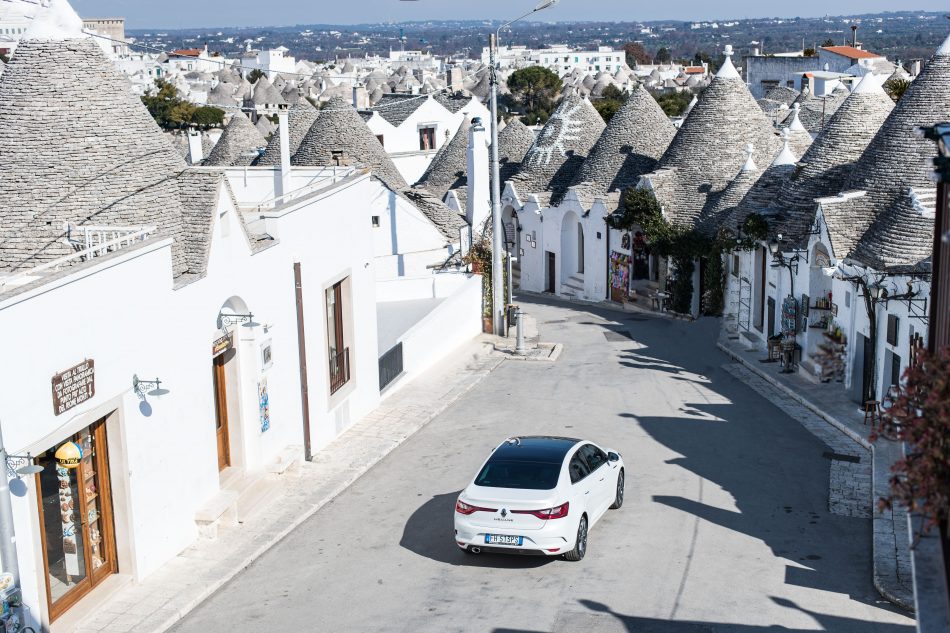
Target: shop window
426,138
338,353
893,325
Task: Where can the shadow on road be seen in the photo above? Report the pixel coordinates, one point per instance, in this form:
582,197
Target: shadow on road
599,615
428,533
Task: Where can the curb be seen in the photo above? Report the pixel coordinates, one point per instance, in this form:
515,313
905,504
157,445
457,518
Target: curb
876,517
212,588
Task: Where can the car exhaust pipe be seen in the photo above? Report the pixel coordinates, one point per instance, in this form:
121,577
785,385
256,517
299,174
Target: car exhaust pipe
475,550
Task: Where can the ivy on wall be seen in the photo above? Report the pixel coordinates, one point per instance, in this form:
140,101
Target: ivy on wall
640,209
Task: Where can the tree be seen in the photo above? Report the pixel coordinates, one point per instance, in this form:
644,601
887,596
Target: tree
255,75
674,103
919,416
171,112
636,54
828,42
611,100
663,56
895,88
207,116
535,90
160,101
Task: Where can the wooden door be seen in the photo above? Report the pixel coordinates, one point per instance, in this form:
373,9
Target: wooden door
552,271
771,317
76,521
221,414
867,370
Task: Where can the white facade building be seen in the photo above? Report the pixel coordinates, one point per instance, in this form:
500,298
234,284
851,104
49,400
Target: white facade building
271,61
559,56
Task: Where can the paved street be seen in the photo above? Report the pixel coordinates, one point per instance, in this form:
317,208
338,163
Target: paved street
725,527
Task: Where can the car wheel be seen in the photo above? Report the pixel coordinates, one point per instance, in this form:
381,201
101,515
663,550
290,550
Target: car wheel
580,546
618,500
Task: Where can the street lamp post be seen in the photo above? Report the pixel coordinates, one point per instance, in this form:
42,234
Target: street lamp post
497,274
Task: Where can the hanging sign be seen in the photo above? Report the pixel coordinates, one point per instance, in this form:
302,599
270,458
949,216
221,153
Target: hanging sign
74,386
69,455
221,345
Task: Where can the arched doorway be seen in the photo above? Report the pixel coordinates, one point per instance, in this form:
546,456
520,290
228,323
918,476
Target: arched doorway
232,318
512,241
572,255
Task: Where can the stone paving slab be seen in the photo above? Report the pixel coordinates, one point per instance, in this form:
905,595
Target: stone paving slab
893,575
166,596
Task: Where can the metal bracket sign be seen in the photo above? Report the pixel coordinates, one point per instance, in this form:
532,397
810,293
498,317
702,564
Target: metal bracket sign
74,386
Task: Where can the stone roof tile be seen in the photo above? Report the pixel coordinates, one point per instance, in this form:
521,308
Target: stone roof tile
300,119
239,145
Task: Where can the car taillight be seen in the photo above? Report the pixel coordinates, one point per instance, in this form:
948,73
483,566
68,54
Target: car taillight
463,508
551,513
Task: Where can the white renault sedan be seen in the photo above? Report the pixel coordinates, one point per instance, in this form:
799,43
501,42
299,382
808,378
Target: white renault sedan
538,495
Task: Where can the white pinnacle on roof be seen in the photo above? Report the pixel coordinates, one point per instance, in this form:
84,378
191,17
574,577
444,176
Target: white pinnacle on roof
867,85
728,71
749,163
55,20
944,48
796,124
786,156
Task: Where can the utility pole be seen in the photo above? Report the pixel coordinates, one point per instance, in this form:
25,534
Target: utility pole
497,275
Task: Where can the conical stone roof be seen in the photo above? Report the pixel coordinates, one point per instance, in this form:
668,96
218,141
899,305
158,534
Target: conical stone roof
339,128
829,160
514,141
709,148
561,147
264,93
300,119
239,144
634,140
896,164
77,146
448,169
265,126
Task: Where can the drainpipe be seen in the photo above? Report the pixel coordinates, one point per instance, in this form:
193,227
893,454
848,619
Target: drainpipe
607,228
302,354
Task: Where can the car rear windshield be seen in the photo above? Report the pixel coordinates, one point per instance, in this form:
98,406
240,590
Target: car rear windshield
517,474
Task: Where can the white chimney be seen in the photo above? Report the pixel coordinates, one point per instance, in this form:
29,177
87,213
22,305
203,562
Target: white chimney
195,151
360,97
283,128
479,180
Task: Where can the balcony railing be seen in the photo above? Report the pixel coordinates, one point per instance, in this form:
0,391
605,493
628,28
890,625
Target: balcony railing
339,370
88,243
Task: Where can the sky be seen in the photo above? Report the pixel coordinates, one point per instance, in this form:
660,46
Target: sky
192,13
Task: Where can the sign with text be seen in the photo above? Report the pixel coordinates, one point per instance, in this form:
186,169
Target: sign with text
221,345
74,386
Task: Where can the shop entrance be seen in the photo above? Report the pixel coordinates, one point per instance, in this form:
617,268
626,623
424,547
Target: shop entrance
75,508
221,411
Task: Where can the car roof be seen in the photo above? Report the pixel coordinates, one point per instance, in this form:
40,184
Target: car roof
535,448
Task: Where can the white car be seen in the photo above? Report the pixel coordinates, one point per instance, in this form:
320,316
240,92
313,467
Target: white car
538,495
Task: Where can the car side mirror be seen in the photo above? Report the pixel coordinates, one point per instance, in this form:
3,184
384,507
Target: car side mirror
613,457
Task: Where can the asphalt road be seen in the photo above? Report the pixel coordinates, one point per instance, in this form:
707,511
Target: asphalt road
725,527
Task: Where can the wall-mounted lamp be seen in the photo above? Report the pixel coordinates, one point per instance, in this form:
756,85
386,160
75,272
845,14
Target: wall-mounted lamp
877,291
773,247
148,387
246,320
22,465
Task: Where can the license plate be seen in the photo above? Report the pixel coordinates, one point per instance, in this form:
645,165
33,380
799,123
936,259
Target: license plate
502,539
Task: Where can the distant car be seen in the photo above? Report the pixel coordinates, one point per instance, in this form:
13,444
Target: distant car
538,495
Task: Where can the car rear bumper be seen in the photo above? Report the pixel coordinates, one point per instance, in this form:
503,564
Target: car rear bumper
550,541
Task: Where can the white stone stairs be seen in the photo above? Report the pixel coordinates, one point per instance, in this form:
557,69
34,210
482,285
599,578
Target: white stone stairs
573,286
243,494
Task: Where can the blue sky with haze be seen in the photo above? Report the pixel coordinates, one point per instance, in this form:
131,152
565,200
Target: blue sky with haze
195,13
